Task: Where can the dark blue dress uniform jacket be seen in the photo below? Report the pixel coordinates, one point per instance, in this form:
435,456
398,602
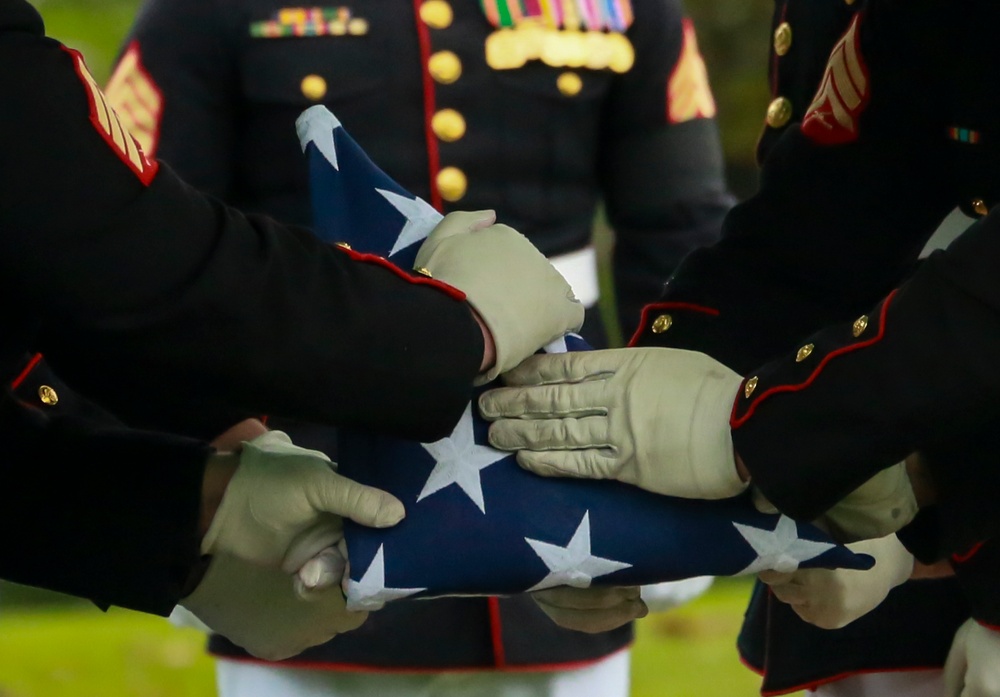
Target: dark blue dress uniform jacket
219,104
882,122
154,299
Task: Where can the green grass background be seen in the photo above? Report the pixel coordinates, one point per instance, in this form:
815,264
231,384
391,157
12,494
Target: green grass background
55,647
51,646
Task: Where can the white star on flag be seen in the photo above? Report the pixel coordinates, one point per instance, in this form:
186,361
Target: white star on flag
316,125
370,592
420,216
781,549
459,460
572,565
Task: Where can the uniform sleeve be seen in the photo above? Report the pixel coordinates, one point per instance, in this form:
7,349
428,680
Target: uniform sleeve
977,569
183,300
915,372
661,160
176,88
833,227
93,509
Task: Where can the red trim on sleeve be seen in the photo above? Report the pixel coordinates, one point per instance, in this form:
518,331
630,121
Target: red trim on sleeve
433,154
448,290
32,364
735,422
993,627
652,307
496,634
962,557
107,124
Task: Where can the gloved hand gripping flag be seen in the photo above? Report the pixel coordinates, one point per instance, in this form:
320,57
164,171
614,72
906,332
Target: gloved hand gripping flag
477,524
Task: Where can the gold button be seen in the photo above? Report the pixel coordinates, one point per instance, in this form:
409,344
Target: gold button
779,112
343,245
423,272
314,87
436,14
662,324
445,67
357,26
750,387
569,84
448,125
979,206
783,38
452,184
849,2
48,395
860,325
804,353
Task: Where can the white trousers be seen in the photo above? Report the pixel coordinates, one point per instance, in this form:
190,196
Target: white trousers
608,677
910,683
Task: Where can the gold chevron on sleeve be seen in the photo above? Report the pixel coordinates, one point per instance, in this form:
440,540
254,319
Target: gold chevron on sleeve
688,93
107,123
136,98
833,115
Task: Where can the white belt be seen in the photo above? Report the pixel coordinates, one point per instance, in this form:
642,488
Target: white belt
579,268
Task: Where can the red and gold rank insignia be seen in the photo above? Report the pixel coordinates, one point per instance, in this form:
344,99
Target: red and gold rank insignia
111,128
688,94
832,118
137,99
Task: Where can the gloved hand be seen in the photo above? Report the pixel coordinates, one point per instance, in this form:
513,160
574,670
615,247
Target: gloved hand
284,505
654,417
258,609
591,610
524,302
973,665
833,598
879,507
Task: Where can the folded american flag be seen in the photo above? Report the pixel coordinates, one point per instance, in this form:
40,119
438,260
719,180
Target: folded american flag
476,523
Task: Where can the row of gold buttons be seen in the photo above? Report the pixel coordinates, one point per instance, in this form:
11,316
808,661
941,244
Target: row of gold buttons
857,329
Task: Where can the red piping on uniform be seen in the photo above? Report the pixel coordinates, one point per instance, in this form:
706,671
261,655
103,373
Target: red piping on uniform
735,422
644,318
396,670
450,291
496,634
961,558
992,627
433,155
843,676
27,371
145,174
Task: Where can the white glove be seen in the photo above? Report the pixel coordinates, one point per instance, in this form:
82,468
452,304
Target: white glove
284,505
879,507
258,609
591,610
524,302
833,598
654,417
973,665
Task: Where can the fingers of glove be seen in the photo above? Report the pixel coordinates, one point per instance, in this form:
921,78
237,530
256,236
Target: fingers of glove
760,501
595,621
323,571
586,398
575,366
956,665
570,598
582,464
550,434
365,505
775,578
456,223
311,541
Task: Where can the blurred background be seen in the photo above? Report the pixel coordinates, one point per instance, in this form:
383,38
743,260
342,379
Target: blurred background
54,646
